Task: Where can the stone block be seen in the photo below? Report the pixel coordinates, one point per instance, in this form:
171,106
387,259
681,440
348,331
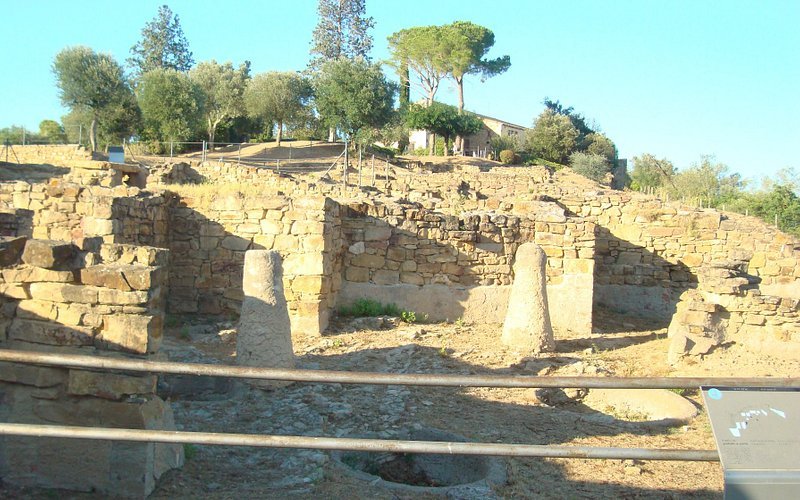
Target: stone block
133,333
14,291
235,243
99,227
412,278
106,385
120,298
377,233
105,275
64,292
303,264
37,309
368,260
357,274
141,277
11,248
32,375
30,274
43,332
307,284
527,326
49,254
386,277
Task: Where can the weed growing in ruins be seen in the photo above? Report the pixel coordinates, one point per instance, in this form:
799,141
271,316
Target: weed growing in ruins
443,353
338,343
184,333
369,308
189,451
408,316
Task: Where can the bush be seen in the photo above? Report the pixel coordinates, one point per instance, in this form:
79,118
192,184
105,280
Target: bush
589,165
508,157
369,308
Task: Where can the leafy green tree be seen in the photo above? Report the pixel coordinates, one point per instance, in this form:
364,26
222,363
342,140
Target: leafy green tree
598,144
708,182
12,134
171,105
577,119
442,120
590,165
467,45
352,95
222,89
553,137
782,203
278,96
424,50
51,131
163,45
117,122
342,31
650,172
89,81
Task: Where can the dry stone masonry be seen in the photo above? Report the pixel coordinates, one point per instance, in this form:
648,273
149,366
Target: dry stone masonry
93,254
103,301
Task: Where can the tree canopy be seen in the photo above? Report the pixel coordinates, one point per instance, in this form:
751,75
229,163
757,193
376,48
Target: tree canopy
279,97
650,173
170,103
163,45
466,45
422,49
442,120
89,81
553,137
222,90
342,31
351,95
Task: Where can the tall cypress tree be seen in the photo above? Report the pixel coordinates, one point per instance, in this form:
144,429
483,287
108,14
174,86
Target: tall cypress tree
163,45
342,31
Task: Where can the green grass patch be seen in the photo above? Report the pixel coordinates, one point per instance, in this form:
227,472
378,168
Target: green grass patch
369,308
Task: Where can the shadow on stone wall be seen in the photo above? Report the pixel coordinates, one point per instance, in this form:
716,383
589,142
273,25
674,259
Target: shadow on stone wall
10,172
59,396
631,280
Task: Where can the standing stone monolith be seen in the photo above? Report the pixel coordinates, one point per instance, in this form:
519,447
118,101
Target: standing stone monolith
527,325
264,337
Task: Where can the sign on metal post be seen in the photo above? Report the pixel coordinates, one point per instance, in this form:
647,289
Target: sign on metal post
757,431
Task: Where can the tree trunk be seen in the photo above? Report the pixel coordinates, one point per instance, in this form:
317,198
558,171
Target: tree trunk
331,134
459,138
211,134
93,133
446,149
432,145
405,85
280,132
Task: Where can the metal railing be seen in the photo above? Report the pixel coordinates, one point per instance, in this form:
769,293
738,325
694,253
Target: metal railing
354,444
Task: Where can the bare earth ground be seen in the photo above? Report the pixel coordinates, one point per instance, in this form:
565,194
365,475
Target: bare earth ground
624,347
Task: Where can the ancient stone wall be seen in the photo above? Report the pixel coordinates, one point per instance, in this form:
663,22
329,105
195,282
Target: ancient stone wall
452,267
56,297
67,211
52,154
209,237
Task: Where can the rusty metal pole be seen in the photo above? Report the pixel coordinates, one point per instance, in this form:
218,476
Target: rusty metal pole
382,378
355,444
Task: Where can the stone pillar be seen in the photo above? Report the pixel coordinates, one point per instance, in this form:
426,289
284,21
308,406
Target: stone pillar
264,335
527,325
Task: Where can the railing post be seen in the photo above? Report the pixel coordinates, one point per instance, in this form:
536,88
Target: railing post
170,149
239,155
346,163
373,170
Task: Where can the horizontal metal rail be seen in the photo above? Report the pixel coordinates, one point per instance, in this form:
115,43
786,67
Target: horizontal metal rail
379,378
356,444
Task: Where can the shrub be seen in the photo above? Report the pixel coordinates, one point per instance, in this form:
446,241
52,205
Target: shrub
508,157
589,165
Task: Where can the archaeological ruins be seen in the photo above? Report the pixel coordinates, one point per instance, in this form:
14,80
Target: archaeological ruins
93,258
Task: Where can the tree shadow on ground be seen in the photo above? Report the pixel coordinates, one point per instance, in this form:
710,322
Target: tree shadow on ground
10,172
479,415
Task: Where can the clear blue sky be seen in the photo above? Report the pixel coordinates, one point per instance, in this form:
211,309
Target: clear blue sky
677,79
